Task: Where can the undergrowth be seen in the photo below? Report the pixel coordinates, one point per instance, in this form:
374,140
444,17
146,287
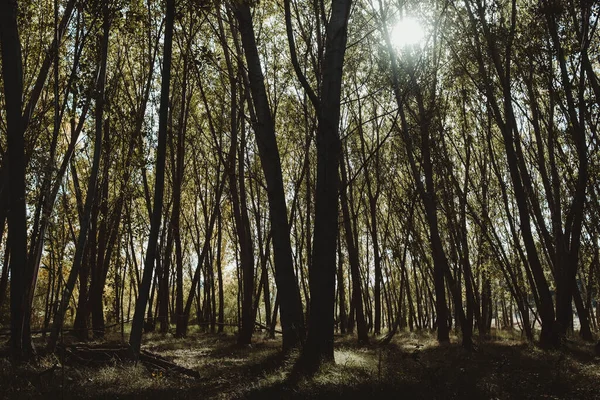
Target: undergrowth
412,366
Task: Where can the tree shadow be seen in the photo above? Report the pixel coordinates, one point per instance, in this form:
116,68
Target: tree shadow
412,368
496,370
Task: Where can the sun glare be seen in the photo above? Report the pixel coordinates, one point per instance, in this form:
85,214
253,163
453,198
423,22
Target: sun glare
407,32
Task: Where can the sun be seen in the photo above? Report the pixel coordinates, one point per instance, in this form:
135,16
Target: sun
407,32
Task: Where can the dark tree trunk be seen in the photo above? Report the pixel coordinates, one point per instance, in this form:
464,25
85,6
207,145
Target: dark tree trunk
135,338
373,196
341,289
274,317
221,318
5,262
163,266
291,307
12,75
178,173
97,275
353,259
319,343
267,294
81,317
242,227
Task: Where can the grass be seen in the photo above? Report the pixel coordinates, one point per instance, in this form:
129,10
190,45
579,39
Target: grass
412,366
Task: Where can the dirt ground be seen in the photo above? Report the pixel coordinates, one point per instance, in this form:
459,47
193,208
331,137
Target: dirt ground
410,367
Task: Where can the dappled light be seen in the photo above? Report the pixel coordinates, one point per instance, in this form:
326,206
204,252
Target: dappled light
411,365
300,199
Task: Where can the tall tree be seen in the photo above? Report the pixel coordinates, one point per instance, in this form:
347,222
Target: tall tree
12,74
135,338
287,285
319,342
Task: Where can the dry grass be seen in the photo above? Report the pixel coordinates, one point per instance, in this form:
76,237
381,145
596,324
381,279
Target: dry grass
411,366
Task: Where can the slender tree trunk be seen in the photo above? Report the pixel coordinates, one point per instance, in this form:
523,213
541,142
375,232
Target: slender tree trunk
163,266
220,275
5,264
353,259
177,185
81,317
373,196
97,275
181,330
242,225
341,289
291,307
135,338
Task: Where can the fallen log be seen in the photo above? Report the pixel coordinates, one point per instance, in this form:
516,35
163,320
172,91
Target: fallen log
263,326
155,360
102,355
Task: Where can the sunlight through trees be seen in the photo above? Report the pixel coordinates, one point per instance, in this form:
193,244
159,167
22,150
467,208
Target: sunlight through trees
299,168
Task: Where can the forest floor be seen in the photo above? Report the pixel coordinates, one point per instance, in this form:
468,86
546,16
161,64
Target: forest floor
411,366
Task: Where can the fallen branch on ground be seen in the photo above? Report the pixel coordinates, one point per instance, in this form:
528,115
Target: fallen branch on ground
263,326
100,355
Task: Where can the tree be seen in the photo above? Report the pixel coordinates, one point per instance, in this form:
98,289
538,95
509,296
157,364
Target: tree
135,338
12,75
319,342
287,284
353,259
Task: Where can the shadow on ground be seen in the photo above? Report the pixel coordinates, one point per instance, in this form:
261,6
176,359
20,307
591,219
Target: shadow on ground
411,366
410,369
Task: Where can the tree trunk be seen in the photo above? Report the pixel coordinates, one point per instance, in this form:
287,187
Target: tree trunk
242,227
341,289
290,303
178,174
135,338
319,343
12,74
163,267
97,275
353,259
220,275
5,261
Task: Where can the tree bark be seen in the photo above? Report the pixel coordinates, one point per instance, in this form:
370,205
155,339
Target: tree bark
287,285
353,259
12,74
319,343
135,338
